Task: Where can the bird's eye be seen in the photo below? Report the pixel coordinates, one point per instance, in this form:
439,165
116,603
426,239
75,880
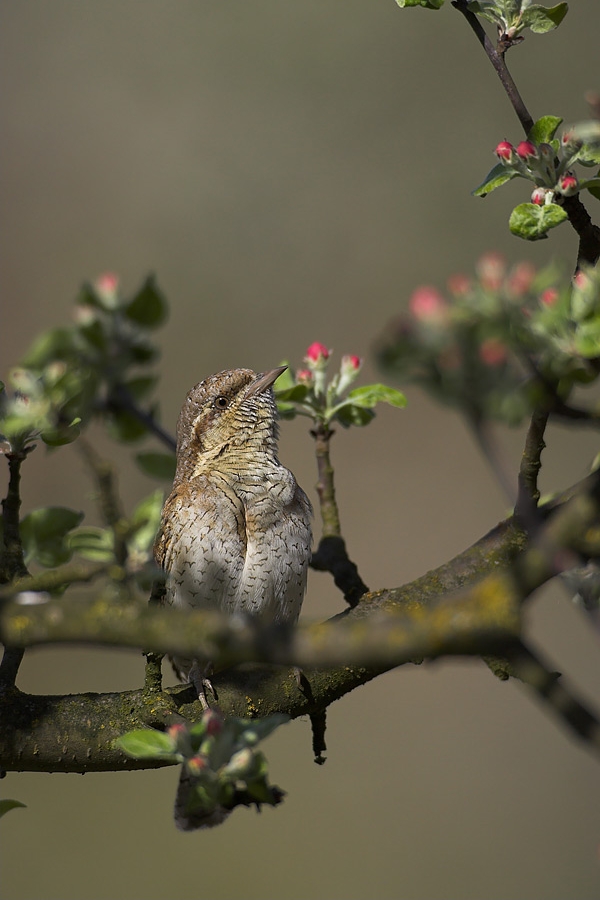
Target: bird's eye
221,402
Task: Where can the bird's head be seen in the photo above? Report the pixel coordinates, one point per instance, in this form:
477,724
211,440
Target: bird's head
233,410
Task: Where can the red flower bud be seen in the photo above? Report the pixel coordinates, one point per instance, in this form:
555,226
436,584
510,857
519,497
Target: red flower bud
527,151
196,764
351,362
504,151
108,282
213,722
549,296
428,305
459,285
493,352
539,196
304,376
568,185
317,352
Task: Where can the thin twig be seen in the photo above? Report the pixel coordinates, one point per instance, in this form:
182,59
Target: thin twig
109,501
497,60
331,554
528,492
557,696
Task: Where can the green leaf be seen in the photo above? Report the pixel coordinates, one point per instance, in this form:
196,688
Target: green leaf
542,19
542,131
371,394
427,4
348,414
295,394
256,730
157,465
43,532
96,544
148,307
7,805
147,743
145,521
495,178
531,222
54,344
286,379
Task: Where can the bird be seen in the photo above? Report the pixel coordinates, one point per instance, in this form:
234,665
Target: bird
235,532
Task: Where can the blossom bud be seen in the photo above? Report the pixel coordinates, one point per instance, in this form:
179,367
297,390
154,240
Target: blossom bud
317,353
549,296
304,376
570,144
491,268
349,369
181,738
539,196
428,305
505,152
212,721
520,278
106,287
459,285
527,151
568,185
196,764
493,352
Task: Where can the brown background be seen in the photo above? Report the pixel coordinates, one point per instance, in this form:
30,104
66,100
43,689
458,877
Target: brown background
291,171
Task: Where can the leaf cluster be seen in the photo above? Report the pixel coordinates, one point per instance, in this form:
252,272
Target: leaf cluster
219,755
501,343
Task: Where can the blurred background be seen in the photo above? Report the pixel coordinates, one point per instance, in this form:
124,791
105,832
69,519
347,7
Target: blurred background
291,172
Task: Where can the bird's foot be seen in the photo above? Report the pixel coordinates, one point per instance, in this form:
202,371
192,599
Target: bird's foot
200,677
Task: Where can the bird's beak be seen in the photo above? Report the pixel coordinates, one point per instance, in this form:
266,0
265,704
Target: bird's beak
264,381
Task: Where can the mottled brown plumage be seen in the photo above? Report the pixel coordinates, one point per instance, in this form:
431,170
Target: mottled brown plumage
235,533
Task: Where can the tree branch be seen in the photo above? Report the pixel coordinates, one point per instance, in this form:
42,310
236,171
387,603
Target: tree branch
331,554
497,60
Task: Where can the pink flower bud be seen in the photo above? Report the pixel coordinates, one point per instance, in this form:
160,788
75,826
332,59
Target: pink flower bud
527,151
316,352
196,764
493,352
570,143
175,731
459,285
568,185
428,305
107,289
520,278
213,722
304,376
108,282
491,268
349,369
581,279
505,151
352,362
549,296
539,196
